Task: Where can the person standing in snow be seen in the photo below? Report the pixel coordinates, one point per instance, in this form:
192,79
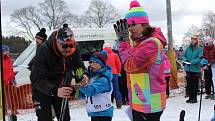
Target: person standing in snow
192,56
99,89
209,55
180,53
113,60
8,77
142,57
57,56
167,72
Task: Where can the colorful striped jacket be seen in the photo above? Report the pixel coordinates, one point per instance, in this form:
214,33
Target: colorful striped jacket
144,65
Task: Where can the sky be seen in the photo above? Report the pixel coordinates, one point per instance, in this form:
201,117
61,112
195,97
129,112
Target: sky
184,12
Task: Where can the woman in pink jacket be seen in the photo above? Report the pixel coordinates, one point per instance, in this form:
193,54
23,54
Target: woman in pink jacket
143,61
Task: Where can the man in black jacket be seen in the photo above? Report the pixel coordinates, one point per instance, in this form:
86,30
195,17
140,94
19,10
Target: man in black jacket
39,38
58,55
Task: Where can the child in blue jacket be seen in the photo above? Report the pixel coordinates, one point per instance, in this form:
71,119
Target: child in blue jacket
99,88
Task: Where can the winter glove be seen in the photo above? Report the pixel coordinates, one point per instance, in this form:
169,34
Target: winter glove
79,75
121,29
186,63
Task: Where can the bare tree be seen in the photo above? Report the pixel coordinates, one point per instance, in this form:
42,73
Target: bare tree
193,30
26,19
49,14
55,13
208,25
99,14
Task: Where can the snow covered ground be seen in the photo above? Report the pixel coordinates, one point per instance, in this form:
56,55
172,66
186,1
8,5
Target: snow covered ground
175,104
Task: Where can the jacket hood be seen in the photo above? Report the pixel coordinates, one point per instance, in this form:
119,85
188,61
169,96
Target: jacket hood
158,34
108,49
51,43
209,47
6,56
107,71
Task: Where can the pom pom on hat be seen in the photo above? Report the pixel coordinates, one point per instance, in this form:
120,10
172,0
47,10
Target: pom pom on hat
136,14
41,34
134,4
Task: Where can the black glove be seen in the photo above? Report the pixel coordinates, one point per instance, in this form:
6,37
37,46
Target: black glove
183,63
121,29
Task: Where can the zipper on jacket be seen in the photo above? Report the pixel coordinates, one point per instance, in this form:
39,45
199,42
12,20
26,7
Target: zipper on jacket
64,70
191,58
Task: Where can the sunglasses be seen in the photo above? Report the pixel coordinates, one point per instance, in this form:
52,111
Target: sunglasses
64,46
92,62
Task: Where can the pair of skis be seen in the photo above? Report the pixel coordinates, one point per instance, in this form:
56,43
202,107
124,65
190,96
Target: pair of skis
78,76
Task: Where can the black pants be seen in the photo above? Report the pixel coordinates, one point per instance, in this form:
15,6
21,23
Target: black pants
43,108
167,85
123,86
139,116
101,118
192,84
208,80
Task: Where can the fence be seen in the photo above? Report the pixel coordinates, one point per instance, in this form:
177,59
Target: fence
18,97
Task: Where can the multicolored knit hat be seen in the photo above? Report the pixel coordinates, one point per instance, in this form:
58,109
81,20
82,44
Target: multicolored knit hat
65,34
208,39
136,14
100,57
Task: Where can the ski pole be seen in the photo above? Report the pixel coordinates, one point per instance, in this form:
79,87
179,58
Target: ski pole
63,108
66,82
200,103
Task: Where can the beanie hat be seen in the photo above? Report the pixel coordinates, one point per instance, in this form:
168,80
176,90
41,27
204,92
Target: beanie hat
5,48
64,34
100,57
208,39
136,14
41,34
194,37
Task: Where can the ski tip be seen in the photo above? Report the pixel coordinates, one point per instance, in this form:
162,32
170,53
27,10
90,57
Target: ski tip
182,115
